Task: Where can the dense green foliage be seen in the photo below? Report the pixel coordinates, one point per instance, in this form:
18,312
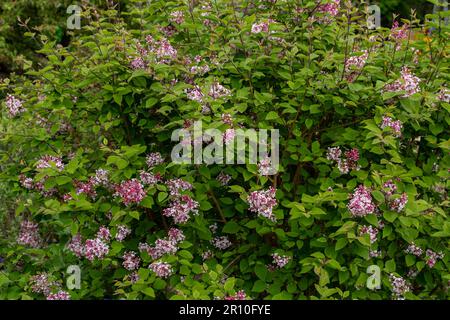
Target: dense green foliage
323,80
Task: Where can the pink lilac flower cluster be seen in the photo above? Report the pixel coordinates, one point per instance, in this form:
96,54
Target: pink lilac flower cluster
344,163
195,94
130,260
29,234
399,33
164,246
92,248
265,167
176,235
101,178
40,283
371,231
354,65
228,136
398,204
223,178
176,186
361,202
217,91
76,246
262,202
180,209
395,125
177,17
389,188
133,277
154,159
280,261
399,286
95,248
330,9
87,188
213,227
221,242
25,182
408,82
122,232
131,191
14,105
431,257
414,250
60,295
138,64
207,255
260,27
104,234
149,179
240,295
444,95
161,269
47,161
227,119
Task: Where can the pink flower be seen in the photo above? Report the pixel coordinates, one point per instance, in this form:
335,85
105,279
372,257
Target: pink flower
103,233
260,27
396,126
87,188
154,159
280,261
47,161
399,33
180,209
444,95
101,178
414,250
195,94
263,202
148,178
176,186
240,295
432,257
26,182
408,82
175,235
227,119
228,136
390,188
221,243
398,204
95,248
334,153
371,231
60,295
14,105
218,91
177,17
265,167
122,232
223,178
40,283
76,246
399,286
330,8
361,203
131,191
29,234
138,64
131,261
207,255
162,269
